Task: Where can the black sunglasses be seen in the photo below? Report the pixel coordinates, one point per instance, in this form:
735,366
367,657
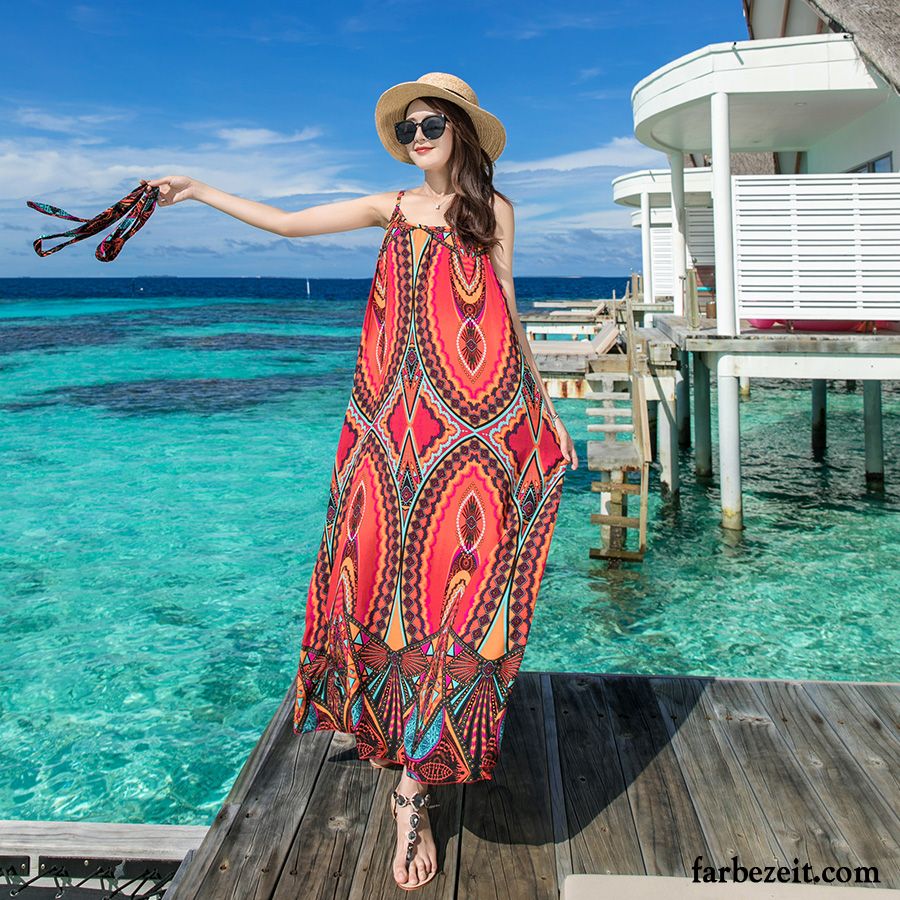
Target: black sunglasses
432,127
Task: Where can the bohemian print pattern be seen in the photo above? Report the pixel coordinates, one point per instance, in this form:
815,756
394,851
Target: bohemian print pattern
136,207
444,497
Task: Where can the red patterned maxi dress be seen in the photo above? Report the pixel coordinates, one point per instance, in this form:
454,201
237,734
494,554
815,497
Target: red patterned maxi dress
444,497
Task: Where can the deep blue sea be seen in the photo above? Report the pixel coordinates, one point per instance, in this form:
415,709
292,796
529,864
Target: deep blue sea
166,447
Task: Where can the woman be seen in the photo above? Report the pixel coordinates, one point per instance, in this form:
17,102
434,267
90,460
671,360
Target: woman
448,473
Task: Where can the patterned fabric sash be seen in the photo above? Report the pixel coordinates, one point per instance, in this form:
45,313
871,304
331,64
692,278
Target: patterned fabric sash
137,208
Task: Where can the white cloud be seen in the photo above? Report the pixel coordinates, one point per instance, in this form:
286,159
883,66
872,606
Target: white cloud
66,124
606,94
623,152
554,20
566,220
587,74
255,163
238,138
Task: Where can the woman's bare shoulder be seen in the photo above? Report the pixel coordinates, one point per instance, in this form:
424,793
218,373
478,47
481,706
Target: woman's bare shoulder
384,203
504,216
501,204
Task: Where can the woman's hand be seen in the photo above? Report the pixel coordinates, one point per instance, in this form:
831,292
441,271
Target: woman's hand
173,189
566,444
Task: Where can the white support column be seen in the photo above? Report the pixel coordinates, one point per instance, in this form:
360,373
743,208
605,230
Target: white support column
702,418
667,437
726,313
679,307
745,385
679,232
646,254
872,425
730,452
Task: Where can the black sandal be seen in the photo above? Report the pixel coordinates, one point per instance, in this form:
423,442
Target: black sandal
419,801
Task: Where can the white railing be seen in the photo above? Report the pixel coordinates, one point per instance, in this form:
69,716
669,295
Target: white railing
699,249
817,246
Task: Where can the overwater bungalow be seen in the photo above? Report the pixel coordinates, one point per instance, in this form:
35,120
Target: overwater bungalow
783,197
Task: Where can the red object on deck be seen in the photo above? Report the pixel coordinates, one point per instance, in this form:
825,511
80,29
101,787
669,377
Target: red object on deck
859,325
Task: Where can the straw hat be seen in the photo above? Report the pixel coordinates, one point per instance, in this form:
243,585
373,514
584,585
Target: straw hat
392,105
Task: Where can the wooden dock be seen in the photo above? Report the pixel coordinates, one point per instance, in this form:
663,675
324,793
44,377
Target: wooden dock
619,774
705,338
733,360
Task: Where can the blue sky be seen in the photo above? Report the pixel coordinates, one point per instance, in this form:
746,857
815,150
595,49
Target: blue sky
275,102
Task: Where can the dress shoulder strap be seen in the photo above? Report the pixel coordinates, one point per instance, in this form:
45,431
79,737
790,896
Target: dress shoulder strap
400,193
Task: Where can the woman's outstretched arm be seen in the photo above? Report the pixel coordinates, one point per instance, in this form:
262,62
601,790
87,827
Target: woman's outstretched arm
326,218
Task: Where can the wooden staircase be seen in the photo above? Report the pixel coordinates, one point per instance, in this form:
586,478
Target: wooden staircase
620,458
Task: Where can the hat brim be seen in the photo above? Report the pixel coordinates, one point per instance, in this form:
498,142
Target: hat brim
392,105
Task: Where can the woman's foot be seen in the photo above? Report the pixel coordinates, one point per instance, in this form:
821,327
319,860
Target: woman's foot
413,816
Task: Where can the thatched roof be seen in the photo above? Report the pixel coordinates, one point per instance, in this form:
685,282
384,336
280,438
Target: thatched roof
875,26
753,163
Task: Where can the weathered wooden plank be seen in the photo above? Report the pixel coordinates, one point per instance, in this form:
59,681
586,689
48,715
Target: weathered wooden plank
373,878
705,338
667,825
511,811
322,855
885,702
126,839
870,826
615,487
181,871
599,345
616,363
874,745
588,781
605,456
213,859
554,774
587,304
618,521
782,790
712,772
561,364
602,834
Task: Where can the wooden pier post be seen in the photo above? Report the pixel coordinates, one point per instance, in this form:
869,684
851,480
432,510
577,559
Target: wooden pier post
652,419
818,415
745,386
872,426
683,399
702,418
613,505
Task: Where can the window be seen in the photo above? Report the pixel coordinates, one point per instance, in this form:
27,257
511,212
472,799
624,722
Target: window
879,164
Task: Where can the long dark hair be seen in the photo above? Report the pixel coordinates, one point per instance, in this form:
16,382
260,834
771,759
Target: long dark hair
471,211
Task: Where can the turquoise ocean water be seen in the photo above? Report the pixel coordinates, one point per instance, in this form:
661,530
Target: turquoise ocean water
165,453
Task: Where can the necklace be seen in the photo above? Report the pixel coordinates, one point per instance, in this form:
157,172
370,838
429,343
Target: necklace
443,196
